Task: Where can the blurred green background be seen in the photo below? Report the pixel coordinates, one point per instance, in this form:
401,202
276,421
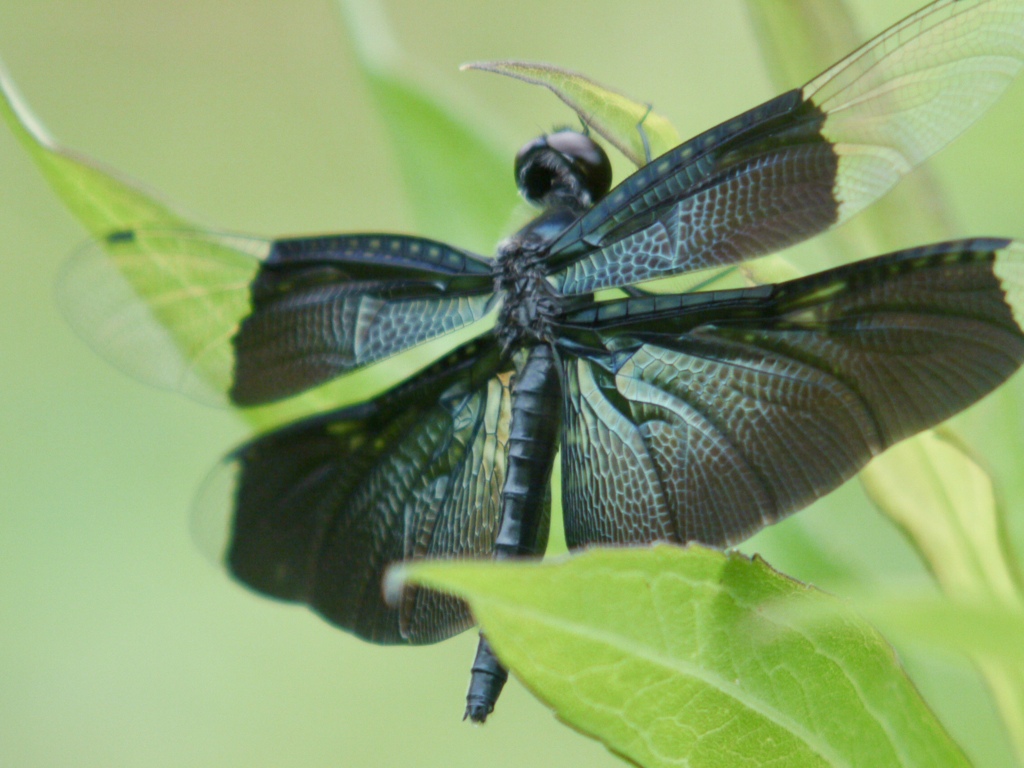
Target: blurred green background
120,644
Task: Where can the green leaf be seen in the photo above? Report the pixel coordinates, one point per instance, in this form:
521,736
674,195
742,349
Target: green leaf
986,631
989,631
623,122
801,38
668,656
946,504
112,282
117,279
450,168
100,199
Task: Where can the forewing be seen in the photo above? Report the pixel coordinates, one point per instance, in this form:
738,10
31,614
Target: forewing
222,317
804,161
711,415
323,306
907,93
317,511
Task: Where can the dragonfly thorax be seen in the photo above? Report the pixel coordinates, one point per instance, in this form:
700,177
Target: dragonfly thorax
529,301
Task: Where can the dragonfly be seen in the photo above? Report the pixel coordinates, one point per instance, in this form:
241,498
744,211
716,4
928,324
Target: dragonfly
692,417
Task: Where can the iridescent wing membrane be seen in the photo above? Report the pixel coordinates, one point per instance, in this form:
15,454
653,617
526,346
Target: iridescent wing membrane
695,417
706,416
222,317
324,306
321,508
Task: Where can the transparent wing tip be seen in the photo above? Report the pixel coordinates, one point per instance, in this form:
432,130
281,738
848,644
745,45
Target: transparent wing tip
162,307
212,517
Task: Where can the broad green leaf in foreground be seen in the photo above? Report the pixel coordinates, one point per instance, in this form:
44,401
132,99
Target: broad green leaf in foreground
987,631
668,656
623,122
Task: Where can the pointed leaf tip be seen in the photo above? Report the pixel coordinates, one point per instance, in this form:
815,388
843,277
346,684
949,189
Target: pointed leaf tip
623,122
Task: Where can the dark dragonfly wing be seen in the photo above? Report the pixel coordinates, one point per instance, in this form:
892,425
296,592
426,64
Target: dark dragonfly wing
804,161
323,306
215,315
319,509
707,416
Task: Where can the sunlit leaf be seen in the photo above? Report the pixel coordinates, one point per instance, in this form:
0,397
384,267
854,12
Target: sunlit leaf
987,630
106,205
668,656
125,271
625,123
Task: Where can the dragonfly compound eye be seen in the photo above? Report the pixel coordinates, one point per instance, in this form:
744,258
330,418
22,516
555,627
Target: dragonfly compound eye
565,166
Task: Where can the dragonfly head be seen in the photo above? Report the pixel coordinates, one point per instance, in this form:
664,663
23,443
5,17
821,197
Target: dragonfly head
566,168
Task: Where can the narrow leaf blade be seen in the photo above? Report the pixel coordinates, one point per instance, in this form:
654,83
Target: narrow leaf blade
100,199
945,502
121,273
457,179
